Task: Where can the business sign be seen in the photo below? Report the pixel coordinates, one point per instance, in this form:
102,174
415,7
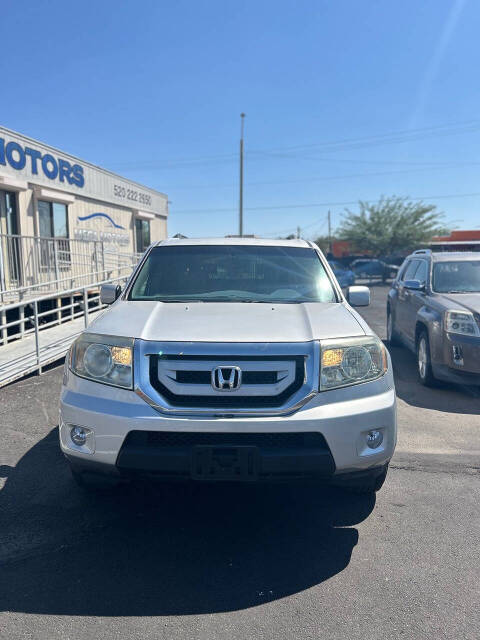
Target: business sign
114,235
34,162
17,156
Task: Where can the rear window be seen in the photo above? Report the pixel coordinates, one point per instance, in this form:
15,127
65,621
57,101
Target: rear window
226,273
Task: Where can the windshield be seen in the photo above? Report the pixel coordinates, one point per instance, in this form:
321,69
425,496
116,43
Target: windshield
225,273
457,277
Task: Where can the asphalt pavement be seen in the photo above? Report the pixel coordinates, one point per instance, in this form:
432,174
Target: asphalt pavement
249,562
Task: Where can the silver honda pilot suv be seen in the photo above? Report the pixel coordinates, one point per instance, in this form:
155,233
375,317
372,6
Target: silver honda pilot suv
230,360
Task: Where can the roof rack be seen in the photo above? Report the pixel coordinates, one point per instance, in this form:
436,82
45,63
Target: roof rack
420,251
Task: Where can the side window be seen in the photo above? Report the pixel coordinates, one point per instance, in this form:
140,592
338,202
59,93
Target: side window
410,271
402,270
421,272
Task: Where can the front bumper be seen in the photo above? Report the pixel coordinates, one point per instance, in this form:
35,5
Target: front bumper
342,418
221,456
459,360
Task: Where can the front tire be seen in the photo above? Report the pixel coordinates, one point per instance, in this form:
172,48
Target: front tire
93,483
366,485
424,362
392,337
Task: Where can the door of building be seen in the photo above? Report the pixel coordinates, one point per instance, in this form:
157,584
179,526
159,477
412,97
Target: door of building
11,245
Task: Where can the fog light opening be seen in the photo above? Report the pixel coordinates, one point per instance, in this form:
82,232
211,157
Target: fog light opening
374,439
79,435
457,355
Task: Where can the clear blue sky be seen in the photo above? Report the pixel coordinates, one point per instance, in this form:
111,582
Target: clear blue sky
331,88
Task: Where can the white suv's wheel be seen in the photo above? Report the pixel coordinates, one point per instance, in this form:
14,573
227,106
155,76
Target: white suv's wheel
93,482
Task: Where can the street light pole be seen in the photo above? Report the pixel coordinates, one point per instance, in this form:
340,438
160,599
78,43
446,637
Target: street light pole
240,204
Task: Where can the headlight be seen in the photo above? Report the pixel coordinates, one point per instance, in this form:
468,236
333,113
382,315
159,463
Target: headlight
462,322
106,359
351,361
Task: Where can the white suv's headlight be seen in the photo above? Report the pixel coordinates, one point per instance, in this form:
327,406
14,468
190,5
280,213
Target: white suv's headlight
106,359
351,361
462,322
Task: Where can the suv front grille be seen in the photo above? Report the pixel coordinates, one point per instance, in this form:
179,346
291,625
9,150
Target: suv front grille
267,381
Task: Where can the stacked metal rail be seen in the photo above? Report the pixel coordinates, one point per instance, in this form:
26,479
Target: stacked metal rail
49,290
47,334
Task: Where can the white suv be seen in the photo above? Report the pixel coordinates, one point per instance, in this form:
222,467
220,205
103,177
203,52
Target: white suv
230,359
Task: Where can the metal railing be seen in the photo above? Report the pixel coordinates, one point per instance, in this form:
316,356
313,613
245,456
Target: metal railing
30,266
29,356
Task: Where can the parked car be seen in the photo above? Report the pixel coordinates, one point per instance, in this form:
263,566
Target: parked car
373,269
230,359
433,309
344,275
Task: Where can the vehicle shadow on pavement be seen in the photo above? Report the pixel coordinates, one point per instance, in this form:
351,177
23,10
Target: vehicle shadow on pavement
166,550
444,397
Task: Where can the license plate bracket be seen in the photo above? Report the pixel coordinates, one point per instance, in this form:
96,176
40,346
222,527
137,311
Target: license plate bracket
225,463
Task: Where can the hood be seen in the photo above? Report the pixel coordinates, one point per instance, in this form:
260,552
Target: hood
227,322
470,301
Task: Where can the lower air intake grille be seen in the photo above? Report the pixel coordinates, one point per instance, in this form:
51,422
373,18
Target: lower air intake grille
175,439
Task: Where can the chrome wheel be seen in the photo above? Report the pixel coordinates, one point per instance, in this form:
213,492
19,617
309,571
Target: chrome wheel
422,358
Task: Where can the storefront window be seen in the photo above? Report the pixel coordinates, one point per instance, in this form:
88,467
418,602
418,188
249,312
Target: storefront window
8,213
142,235
52,218
53,223
9,225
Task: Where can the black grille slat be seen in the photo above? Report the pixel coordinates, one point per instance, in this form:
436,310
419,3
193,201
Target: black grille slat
175,439
248,377
259,377
193,377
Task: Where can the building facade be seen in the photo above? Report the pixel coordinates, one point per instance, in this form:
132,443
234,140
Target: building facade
48,194
465,240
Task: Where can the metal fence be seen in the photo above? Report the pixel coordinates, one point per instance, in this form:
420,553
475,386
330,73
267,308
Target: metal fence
47,333
30,266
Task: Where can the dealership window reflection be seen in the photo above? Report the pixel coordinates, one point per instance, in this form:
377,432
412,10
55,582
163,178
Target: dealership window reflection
53,229
9,226
142,235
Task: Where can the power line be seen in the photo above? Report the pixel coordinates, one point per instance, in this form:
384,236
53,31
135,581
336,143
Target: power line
325,178
326,204
291,229
385,138
399,136
321,221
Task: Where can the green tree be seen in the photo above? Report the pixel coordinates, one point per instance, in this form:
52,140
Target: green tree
392,225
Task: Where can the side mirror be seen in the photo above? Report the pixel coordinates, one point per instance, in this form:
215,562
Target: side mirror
414,285
109,293
358,296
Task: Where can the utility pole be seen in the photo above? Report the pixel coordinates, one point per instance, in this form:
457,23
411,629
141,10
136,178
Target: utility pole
240,204
329,232
298,232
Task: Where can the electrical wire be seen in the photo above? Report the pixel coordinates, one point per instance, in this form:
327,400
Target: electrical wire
322,178
400,136
406,135
326,204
